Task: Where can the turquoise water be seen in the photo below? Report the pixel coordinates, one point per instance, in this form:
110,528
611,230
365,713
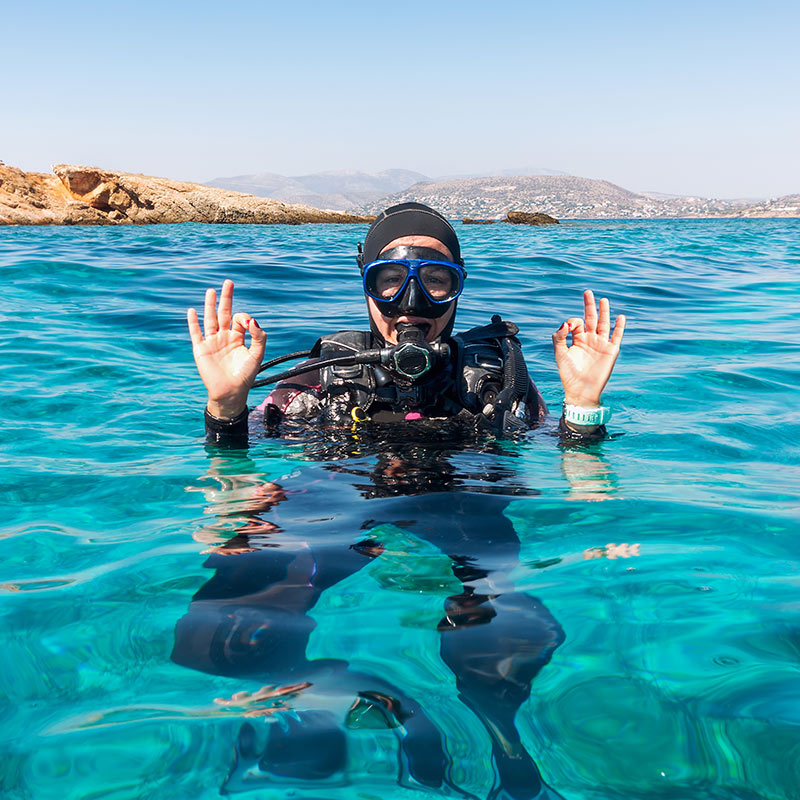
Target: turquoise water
668,554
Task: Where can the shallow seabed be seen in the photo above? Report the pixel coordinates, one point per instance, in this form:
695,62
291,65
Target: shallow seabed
667,554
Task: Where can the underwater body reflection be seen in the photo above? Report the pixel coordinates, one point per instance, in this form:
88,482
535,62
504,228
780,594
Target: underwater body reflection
429,528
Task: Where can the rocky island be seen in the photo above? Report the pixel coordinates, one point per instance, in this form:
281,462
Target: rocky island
515,218
76,195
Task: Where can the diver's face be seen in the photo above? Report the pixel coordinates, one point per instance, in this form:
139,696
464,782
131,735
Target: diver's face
387,326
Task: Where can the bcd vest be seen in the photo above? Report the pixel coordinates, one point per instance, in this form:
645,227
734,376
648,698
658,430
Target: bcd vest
484,380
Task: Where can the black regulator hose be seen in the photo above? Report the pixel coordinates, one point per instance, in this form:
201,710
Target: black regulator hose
515,372
301,369
281,359
411,358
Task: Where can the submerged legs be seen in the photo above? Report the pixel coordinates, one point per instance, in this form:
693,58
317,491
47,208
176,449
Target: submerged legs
495,647
252,619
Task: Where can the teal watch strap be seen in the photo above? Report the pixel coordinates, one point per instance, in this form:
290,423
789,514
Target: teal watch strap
578,415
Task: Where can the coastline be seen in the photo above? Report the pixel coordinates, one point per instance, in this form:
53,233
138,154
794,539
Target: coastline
81,195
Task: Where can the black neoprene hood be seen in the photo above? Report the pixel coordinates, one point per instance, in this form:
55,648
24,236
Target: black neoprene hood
408,219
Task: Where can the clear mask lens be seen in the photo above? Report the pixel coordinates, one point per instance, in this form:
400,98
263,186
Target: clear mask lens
386,281
440,282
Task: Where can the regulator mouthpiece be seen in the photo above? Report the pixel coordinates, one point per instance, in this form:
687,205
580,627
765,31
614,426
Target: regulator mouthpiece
413,357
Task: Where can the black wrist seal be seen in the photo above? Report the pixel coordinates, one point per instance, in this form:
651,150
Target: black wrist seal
568,434
227,432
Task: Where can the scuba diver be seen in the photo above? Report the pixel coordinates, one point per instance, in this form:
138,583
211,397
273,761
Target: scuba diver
409,365
408,374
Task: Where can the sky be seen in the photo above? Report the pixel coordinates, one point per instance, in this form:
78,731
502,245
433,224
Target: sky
699,98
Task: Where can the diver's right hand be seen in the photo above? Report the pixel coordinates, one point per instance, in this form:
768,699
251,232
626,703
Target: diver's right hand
226,366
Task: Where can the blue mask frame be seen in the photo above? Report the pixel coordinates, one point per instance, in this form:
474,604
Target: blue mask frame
413,265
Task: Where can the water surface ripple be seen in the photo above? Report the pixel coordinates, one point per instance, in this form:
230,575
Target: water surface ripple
658,569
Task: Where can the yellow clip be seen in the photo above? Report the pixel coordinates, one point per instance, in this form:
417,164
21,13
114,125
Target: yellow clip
358,414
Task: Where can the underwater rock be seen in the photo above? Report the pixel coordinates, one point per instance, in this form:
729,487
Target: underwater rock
526,218
78,195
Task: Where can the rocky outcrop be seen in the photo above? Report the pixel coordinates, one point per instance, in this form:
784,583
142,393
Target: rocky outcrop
76,195
470,221
527,218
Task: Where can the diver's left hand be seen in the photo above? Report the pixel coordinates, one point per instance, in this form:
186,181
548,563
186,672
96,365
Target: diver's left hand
585,366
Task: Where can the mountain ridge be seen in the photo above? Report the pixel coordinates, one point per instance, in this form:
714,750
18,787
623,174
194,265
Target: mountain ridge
337,190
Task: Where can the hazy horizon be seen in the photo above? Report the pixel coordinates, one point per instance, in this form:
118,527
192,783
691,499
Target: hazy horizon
682,99
499,173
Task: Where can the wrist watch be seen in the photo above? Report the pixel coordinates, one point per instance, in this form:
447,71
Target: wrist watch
578,415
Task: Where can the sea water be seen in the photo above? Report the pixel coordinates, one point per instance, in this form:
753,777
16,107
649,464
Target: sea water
668,554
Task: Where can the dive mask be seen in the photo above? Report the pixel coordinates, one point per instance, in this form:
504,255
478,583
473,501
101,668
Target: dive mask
413,280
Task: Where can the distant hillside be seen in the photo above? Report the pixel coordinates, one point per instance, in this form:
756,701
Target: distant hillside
786,206
342,190
561,196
